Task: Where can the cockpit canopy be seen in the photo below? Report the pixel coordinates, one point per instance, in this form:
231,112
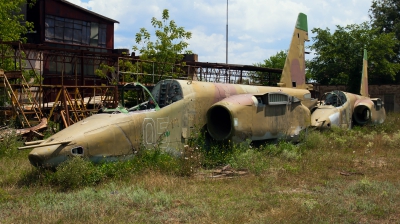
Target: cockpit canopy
335,98
167,92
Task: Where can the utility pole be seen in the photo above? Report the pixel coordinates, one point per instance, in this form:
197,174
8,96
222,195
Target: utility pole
226,31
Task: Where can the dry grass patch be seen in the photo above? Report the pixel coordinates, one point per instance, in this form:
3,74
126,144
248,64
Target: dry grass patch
337,176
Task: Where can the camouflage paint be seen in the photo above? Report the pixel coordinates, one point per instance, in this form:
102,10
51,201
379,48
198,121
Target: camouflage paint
358,109
248,112
294,69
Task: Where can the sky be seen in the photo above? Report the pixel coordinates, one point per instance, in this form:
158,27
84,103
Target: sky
257,29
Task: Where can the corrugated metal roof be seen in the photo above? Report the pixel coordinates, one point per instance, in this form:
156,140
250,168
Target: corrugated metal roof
88,11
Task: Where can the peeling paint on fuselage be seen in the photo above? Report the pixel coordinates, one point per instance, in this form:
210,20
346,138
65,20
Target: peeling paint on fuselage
120,135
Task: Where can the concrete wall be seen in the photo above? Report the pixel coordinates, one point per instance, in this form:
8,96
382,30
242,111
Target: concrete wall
390,94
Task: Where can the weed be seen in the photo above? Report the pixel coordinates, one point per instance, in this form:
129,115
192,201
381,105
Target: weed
4,196
189,161
314,141
52,128
310,204
290,152
76,172
316,181
393,142
391,124
9,143
363,187
254,161
216,155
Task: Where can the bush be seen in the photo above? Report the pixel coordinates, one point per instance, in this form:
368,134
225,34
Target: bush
252,160
77,172
9,143
313,141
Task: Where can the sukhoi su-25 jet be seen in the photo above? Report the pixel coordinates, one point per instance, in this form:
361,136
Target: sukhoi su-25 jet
344,109
228,112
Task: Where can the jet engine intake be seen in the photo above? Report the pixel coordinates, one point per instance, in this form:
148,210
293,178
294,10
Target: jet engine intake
362,114
219,122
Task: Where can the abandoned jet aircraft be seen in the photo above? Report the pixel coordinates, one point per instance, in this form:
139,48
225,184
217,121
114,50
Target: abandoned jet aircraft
177,108
344,109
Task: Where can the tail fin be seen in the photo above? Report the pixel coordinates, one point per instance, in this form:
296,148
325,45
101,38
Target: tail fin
294,71
364,77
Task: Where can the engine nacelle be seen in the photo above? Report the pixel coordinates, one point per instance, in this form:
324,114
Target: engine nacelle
257,117
222,117
362,113
219,122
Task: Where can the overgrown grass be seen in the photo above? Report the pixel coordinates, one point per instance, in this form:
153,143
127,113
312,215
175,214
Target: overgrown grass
335,176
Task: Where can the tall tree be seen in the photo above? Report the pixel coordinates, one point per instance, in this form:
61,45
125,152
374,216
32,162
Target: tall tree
338,56
385,18
12,22
275,61
13,27
167,49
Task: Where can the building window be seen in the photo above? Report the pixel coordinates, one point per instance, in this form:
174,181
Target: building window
73,31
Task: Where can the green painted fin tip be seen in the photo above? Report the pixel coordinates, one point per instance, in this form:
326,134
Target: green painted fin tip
302,22
365,54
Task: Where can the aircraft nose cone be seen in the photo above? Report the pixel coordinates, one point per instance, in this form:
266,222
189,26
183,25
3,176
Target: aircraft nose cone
47,156
36,159
322,123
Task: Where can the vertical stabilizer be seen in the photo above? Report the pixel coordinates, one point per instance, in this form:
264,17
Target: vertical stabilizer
364,77
294,71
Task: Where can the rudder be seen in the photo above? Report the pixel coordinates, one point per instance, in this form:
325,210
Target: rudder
294,71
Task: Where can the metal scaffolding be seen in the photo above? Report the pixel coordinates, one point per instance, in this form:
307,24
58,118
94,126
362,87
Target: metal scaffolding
66,84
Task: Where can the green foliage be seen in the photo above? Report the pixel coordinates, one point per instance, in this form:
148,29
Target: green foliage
158,160
107,72
339,56
79,172
312,141
32,76
393,142
4,196
11,28
217,154
285,150
167,49
250,159
275,61
9,143
363,187
76,172
52,128
385,16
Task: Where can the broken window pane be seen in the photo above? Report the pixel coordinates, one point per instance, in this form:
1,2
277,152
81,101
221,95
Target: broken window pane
94,34
59,23
74,31
102,37
77,26
68,34
49,33
77,37
85,35
59,35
